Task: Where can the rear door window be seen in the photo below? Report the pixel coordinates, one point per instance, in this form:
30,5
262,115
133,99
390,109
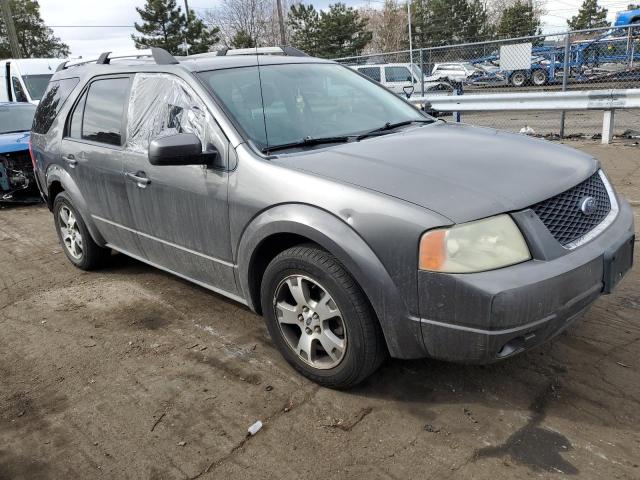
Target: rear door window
371,72
397,74
52,101
104,110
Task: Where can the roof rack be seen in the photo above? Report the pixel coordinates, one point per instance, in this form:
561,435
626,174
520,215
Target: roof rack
159,55
283,50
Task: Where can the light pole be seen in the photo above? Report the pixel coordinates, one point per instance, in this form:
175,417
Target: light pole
410,37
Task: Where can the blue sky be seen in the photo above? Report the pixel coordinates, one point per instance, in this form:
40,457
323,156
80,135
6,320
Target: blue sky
113,19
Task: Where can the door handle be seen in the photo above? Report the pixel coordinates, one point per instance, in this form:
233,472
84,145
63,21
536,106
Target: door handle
139,178
70,159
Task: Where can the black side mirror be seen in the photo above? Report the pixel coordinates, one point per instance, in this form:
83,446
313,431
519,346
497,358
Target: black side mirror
179,149
408,90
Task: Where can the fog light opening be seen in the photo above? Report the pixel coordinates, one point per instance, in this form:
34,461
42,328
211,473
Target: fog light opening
513,346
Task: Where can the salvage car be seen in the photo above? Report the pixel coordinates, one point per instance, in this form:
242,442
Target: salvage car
358,226
17,182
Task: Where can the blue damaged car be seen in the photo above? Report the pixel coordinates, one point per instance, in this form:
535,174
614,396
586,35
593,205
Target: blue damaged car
17,182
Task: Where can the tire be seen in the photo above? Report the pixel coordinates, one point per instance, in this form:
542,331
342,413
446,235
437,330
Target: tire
81,250
518,79
314,273
539,78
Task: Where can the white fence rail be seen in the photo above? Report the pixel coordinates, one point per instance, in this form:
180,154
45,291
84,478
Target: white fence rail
607,100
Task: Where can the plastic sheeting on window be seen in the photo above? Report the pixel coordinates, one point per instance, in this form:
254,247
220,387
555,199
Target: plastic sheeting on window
162,105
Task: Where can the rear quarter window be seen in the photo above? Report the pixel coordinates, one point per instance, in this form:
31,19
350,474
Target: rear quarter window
52,101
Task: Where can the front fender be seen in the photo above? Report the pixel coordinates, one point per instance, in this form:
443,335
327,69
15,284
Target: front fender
55,173
402,333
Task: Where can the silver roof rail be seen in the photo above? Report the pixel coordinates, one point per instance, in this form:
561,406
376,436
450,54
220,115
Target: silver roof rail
159,55
284,50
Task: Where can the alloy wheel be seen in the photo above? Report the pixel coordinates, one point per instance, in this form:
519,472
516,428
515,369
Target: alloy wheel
310,321
70,232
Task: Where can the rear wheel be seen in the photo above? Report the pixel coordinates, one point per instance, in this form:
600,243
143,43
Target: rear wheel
539,78
74,237
320,319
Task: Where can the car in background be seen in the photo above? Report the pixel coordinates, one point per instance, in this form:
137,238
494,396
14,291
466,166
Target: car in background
629,17
399,76
456,71
25,80
17,181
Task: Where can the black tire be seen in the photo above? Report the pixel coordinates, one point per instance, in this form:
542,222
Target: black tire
93,256
365,347
539,78
518,79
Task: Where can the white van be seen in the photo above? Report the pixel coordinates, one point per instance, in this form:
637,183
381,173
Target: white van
25,79
397,76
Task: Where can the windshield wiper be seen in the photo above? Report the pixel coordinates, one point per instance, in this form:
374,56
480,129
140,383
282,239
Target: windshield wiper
391,126
306,142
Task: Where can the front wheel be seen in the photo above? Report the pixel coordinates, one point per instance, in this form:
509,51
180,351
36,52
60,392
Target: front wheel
518,79
320,319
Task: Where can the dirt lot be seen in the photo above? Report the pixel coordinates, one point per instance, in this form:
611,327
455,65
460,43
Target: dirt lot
132,373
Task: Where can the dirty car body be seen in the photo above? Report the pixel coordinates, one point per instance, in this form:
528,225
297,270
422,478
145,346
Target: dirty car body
458,257
17,180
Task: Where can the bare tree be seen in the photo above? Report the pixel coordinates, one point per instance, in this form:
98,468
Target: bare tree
255,21
388,25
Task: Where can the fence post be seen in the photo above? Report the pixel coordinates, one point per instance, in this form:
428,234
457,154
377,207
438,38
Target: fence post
422,71
565,78
607,126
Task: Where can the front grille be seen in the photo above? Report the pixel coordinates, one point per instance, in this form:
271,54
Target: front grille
563,214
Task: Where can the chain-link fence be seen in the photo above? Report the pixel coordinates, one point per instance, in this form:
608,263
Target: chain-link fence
600,58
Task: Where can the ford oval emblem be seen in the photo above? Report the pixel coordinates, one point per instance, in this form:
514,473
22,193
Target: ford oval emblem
588,205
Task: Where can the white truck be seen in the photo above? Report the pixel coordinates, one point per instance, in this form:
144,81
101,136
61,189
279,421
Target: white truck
25,79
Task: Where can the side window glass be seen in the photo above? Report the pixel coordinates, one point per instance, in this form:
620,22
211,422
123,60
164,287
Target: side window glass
371,72
104,109
75,123
52,101
163,104
18,91
397,74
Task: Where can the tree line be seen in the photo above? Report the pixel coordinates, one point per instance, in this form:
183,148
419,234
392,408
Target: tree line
337,31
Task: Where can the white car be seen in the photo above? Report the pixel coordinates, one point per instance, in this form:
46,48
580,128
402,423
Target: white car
455,71
397,76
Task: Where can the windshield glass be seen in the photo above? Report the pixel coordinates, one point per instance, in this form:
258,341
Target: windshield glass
16,118
304,101
36,85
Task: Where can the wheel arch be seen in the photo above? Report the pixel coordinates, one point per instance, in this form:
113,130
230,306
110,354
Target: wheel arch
59,180
283,226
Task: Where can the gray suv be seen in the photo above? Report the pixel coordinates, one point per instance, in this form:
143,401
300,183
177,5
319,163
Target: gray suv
358,226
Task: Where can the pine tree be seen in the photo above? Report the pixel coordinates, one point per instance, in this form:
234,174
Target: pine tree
165,26
519,20
441,22
303,23
590,15
36,40
242,40
342,32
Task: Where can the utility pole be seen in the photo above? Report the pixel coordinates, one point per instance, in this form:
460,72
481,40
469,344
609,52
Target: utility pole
186,9
11,29
283,38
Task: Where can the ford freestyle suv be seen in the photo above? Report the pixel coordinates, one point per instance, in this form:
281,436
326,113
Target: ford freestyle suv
358,226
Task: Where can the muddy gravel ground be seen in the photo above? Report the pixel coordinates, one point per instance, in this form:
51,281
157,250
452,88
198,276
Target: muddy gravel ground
132,373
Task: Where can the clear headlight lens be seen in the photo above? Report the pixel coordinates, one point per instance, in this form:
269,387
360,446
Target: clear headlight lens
478,246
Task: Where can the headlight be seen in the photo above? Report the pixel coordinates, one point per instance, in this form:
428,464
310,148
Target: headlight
478,246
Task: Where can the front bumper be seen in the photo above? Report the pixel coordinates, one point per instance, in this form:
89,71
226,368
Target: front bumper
488,316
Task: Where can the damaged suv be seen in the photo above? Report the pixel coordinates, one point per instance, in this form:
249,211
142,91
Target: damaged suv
355,224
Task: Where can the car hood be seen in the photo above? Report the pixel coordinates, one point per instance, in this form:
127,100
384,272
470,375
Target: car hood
459,171
14,142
